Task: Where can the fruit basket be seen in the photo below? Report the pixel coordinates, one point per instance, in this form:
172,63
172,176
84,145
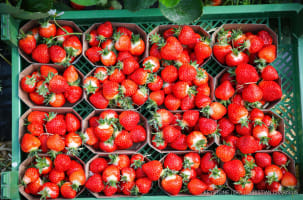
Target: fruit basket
284,19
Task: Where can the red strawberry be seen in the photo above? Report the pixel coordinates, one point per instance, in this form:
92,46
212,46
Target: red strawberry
49,190
186,35
129,119
74,166
122,42
141,96
190,118
171,31
93,54
156,84
196,186
217,176
108,57
55,124
154,51
247,144
172,184
162,118
269,73
172,49
173,162
110,90
30,175
62,162
70,74
144,185
225,91
141,76
56,176
252,93
73,46
268,53
181,89
237,114
253,44
57,54
202,51
67,191
92,38
169,74
271,90
171,102
101,73
246,73
202,100
207,126
215,110
72,142
236,58
138,134
55,142
289,180
123,140
98,100
27,43
263,159
152,169
225,152
73,94
58,84
47,30
187,72
151,64
207,162
89,137
77,178
226,127
238,38
28,83
191,160
105,30
279,158
244,130
179,143
40,54
234,169
56,100
244,187
137,45
220,51
183,58
60,34
129,65
266,37
196,141
45,70
170,133
34,187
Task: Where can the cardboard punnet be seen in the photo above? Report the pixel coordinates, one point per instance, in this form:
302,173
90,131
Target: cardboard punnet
280,128
34,23
161,28
24,96
22,126
88,173
136,146
267,105
205,193
30,160
254,28
133,27
86,96
291,168
168,149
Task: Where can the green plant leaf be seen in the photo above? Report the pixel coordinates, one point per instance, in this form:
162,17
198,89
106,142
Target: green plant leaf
187,11
37,5
169,3
20,13
115,4
85,2
135,5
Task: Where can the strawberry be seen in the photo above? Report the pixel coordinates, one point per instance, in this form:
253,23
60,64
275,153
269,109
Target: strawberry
70,74
244,130
127,174
207,126
247,144
202,100
45,70
89,137
225,127
56,100
94,183
196,141
107,44
110,90
224,91
57,54
35,128
265,36
47,30
123,140
289,180
156,84
127,187
98,165
172,49
273,173
27,43
257,174
268,53
181,89
238,38
30,175
67,191
55,124
36,98
138,134
187,72
110,190
279,158
201,78
207,162
73,141
191,160
196,186
152,169
173,162
129,65
171,102
179,143
143,185
111,174
271,90
260,132
217,176
60,33
236,58
129,119
237,114
137,45
77,178
56,176
43,164
49,190
104,130
158,141
151,64
73,46
190,118
202,50
105,30
98,100
188,174
108,57
234,169
183,58
116,75
34,187
220,50
172,184
170,133
275,187
140,97
186,35
169,74
225,152
41,54
74,166
215,110
253,44
120,160
73,94
58,84
123,55
101,74
252,93
263,159
268,73
107,146
246,73
142,77
244,186
55,142
92,38
204,89
162,118
93,54
62,162
154,51
256,116
29,143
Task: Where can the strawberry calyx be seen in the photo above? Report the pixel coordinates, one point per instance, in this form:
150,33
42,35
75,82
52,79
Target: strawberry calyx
157,39
200,144
264,140
271,178
236,33
168,172
89,88
258,122
149,66
30,81
192,91
222,35
177,31
187,163
215,172
243,181
45,193
225,102
205,40
53,154
137,164
34,153
135,38
74,151
41,163
182,124
100,76
249,165
51,116
75,83
134,191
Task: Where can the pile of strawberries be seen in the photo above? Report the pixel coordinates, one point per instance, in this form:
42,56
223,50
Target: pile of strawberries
191,173
108,46
256,131
47,178
51,133
262,171
50,42
122,174
233,47
111,131
182,131
46,86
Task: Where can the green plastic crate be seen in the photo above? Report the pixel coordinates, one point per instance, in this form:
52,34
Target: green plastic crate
285,19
